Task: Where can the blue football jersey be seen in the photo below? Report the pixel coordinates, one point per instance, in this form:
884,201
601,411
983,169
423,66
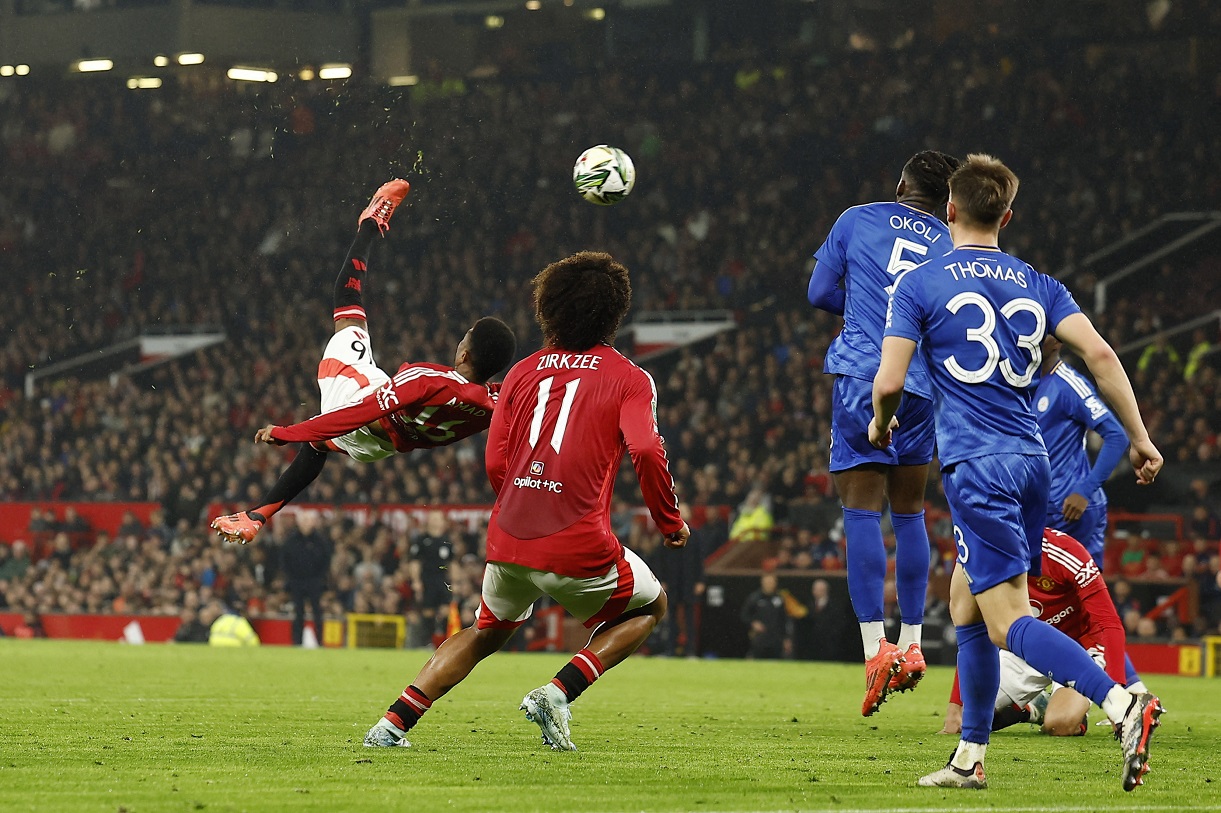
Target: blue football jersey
980,316
869,247
1065,406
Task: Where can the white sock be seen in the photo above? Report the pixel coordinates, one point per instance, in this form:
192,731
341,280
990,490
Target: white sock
968,754
391,727
1137,688
873,633
909,634
1116,703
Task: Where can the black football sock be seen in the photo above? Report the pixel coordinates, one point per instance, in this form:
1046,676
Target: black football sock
348,303
408,709
304,469
1010,715
578,674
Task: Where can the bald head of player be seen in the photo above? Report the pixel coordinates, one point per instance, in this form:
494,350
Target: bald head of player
486,349
924,182
579,301
981,196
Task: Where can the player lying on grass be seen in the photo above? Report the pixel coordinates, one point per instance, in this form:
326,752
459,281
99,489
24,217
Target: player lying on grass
367,414
567,413
867,248
979,317
1069,593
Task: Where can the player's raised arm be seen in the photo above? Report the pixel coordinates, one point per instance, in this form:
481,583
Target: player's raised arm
638,424
1082,338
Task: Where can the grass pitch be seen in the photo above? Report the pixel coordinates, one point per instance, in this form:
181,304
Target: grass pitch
88,726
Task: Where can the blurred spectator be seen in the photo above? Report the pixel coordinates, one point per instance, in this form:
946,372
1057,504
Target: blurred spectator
753,520
30,626
191,630
305,561
17,563
766,620
818,636
433,552
74,523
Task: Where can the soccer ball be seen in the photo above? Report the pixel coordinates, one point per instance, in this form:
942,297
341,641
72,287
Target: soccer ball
604,175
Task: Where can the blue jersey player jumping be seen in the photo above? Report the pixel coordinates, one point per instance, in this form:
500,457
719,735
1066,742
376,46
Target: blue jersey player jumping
980,317
869,247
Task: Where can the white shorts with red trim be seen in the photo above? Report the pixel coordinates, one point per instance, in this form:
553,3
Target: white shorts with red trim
1021,682
346,374
509,592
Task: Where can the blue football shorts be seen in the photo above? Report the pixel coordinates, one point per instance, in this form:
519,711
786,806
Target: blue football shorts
998,504
851,412
1090,530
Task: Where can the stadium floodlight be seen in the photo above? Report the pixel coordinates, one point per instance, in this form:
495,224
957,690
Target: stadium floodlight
305,74
144,82
190,58
241,74
7,70
161,60
406,80
595,14
335,70
23,70
534,5
94,65
494,21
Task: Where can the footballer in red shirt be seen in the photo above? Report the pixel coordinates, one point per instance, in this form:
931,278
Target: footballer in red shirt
1069,594
367,414
567,414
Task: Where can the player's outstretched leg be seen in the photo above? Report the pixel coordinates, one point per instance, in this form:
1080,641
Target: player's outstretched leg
911,583
1135,731
447,667
243,526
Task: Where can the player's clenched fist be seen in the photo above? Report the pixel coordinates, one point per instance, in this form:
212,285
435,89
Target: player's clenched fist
679,538
880,438
1146,460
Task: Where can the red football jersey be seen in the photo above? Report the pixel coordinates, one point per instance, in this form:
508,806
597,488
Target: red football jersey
554,447
423,406
1071,595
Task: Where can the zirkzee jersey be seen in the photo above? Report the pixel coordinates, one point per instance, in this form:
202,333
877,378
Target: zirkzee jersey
558,435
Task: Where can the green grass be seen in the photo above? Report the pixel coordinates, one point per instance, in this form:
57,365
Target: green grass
90,726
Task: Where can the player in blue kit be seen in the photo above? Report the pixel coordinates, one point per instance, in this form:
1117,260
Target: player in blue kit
870,247
1066,407
980,317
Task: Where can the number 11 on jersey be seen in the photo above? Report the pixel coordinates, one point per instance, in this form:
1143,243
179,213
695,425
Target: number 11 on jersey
540,409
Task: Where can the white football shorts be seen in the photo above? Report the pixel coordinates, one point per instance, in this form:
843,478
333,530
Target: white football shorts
1021,682
509,592
346,374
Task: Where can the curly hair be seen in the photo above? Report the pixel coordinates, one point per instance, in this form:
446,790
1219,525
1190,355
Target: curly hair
579,301
929,172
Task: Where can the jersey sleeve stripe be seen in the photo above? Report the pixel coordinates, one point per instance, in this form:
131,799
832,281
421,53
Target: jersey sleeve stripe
332,368
1069,375
350,312
1063,557
412,373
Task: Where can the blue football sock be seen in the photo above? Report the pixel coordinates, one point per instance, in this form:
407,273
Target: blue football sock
911,565
979,680
1130,674
866,563
1059,657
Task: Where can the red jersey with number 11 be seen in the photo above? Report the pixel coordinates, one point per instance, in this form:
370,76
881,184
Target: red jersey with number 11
554,447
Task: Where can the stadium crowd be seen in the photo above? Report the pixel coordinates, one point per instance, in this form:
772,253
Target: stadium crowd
208,206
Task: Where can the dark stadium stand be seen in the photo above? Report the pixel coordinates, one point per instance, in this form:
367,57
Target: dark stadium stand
208,205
